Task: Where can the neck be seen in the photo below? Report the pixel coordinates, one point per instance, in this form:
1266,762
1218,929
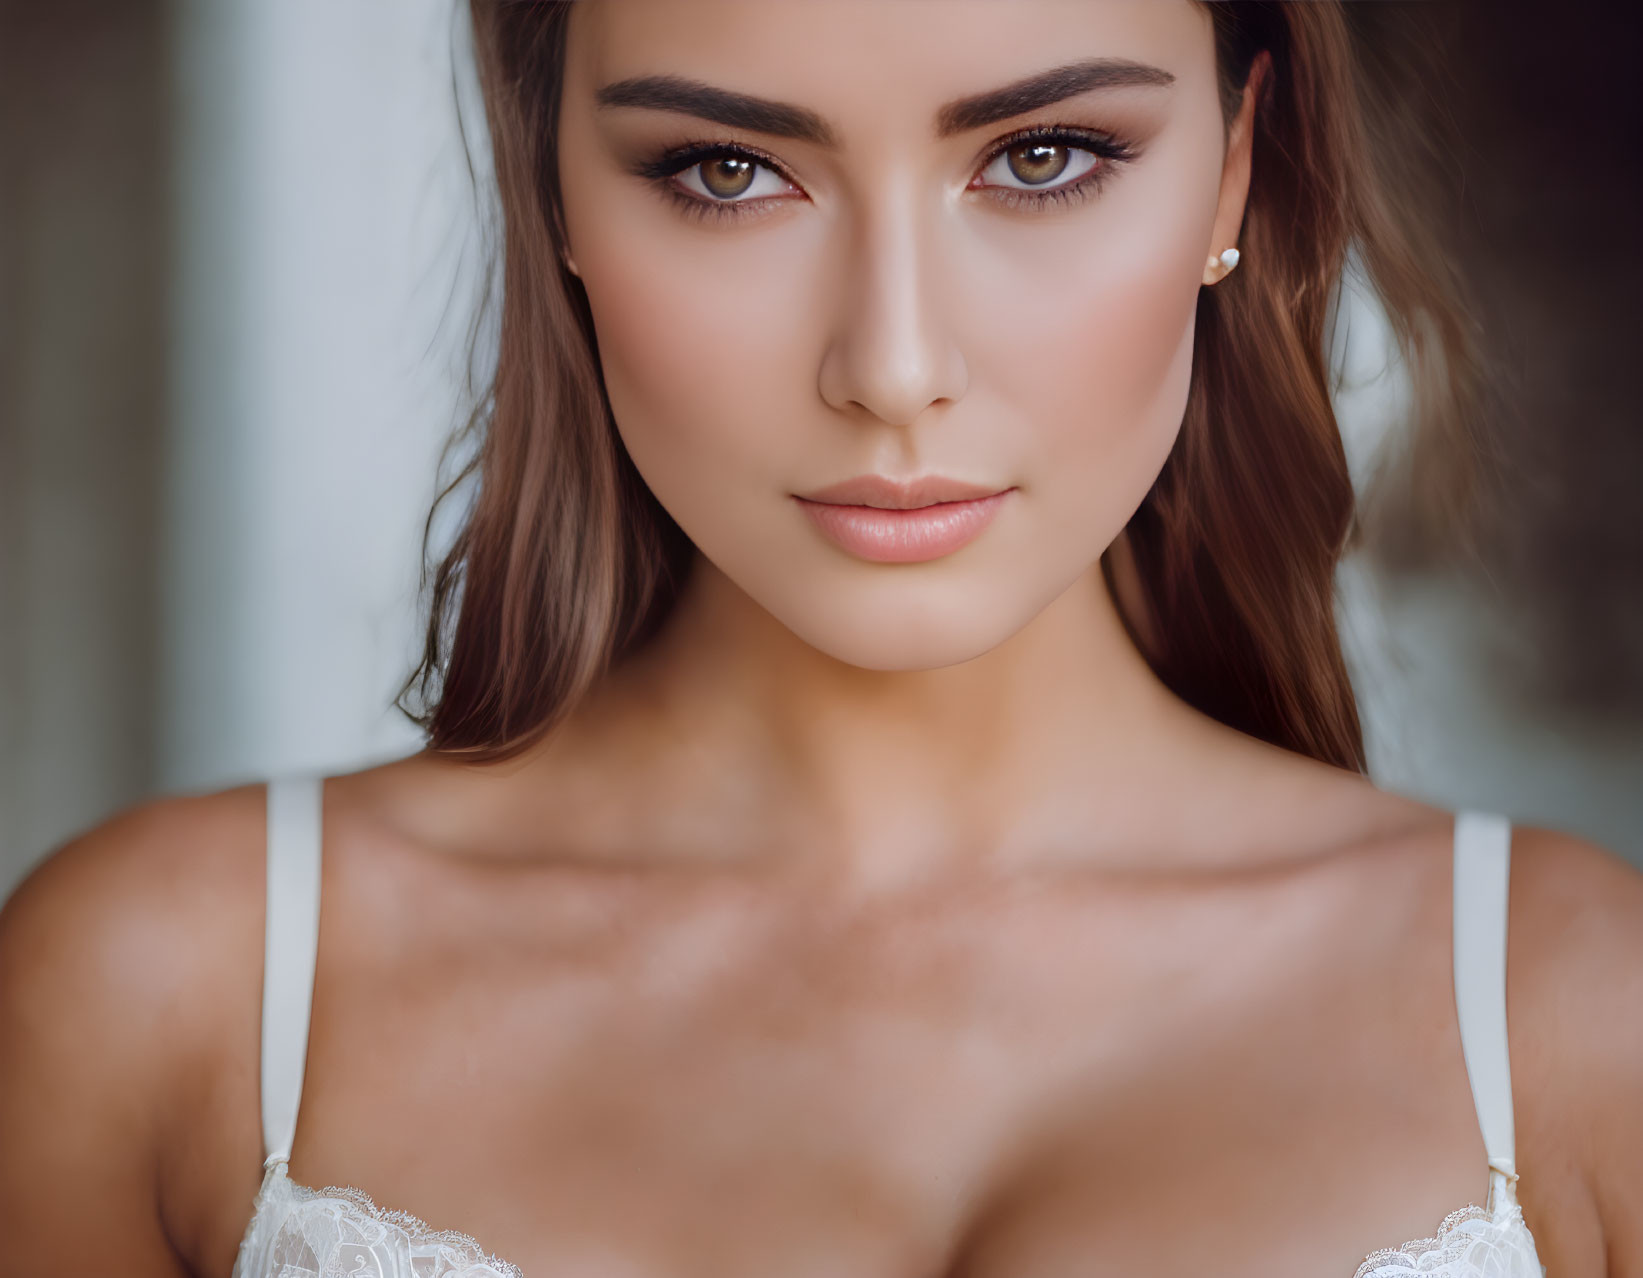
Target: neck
1063,725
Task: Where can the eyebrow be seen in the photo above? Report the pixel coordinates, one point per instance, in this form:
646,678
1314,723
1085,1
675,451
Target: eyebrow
1045,89
784,120
737,110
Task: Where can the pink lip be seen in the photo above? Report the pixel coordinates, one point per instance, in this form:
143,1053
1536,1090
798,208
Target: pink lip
894,522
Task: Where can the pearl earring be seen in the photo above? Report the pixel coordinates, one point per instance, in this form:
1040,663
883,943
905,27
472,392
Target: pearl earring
1229,258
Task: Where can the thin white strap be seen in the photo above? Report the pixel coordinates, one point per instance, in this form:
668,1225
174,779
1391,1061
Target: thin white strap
290,942
1483,844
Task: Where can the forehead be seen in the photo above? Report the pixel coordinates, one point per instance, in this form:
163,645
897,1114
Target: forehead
871,62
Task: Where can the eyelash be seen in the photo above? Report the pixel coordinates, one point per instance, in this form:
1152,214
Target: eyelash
1108,149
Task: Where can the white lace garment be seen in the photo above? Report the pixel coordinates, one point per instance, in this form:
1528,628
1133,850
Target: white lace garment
298,1232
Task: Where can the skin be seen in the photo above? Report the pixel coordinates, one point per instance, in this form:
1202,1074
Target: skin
876,919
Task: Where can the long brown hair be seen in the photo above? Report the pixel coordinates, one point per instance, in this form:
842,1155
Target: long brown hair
565,561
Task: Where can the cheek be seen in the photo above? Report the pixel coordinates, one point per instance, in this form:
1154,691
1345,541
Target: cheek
704,347
1091,346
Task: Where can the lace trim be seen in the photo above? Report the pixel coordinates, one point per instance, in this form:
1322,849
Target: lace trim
1417,1255
1486,1242
418,1232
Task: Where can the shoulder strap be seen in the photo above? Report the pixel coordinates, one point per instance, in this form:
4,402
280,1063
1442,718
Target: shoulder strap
1482,875
290,942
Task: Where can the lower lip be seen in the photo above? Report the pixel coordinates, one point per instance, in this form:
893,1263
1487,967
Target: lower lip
904,536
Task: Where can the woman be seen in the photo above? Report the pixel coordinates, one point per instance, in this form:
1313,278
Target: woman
893,802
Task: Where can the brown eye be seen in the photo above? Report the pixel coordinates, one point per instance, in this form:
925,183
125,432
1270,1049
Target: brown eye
1037,162
1042,165
727,176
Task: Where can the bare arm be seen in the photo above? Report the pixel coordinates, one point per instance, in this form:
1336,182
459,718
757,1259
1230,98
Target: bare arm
108,1011
1578,970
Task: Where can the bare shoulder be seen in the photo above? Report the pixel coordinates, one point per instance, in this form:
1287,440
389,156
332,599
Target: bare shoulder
1574,1008
1577,911
130,962
1575,1005
123,915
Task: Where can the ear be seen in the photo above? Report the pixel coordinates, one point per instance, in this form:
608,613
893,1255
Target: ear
1235,170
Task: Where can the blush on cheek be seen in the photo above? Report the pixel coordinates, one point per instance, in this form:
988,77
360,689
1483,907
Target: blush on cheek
1139,353
704,381
1098,368
648,346
701,330
1099,303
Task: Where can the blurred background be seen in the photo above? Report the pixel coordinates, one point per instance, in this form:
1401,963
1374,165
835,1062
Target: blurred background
240,252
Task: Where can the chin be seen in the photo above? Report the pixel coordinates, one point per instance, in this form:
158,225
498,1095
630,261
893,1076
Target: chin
907,651
905,633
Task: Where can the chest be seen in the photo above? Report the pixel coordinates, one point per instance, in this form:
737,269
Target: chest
983,1086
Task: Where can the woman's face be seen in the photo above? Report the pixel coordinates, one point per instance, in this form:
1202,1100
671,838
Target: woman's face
850,254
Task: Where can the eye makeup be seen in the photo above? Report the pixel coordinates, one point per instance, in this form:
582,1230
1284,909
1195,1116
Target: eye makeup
664,172
1106,150
1039,145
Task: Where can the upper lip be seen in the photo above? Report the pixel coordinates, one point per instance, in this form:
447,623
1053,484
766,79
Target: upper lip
898,494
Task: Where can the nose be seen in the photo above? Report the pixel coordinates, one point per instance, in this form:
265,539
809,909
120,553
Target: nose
892,354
